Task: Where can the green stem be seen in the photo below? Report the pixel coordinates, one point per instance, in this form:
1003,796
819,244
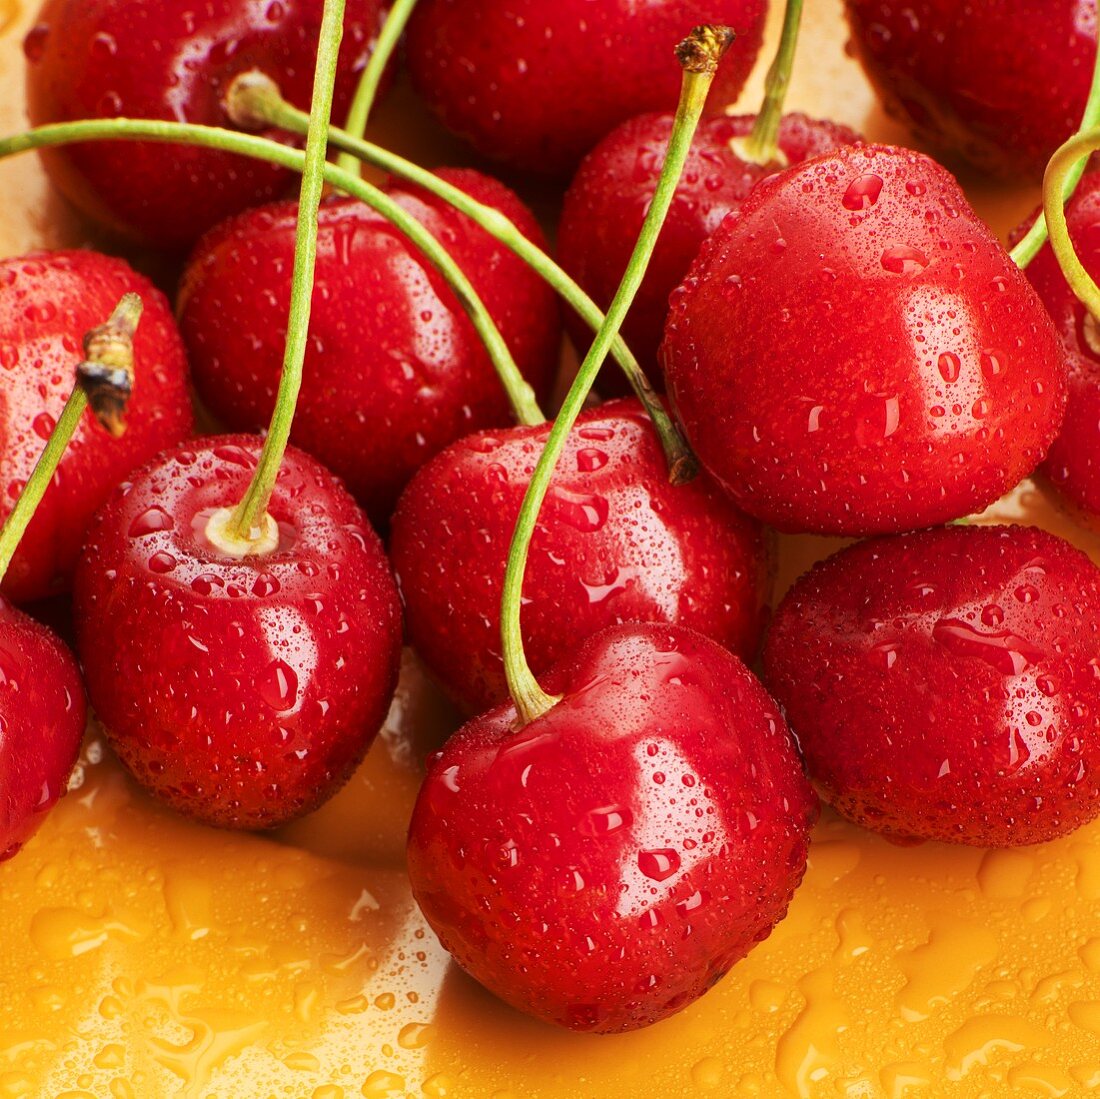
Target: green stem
1032,242
762,145
1074,152
367,91
247,521
699,54
519,392
108,348
254,101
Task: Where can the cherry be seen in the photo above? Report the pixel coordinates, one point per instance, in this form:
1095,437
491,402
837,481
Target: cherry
42,715
607,200
1004,84
536,84
616,543
387,387
47,301
855,353
946,684
1073,462
604,866
241,691
167,60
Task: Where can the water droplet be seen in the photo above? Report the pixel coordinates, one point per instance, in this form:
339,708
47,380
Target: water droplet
605,820
278,686
590,459
150,521
900,259
583,511
1009,653
991,362
949,366
43,425
862,193
659,863
162,562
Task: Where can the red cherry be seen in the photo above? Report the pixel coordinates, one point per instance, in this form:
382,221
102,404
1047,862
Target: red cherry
946,684
42,715
47,302
536,84
1073,462
615,543
855,353
169,60
394,370
1003,83
605,865
611,192
243,692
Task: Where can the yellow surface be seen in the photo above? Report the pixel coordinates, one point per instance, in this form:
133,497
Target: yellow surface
143,956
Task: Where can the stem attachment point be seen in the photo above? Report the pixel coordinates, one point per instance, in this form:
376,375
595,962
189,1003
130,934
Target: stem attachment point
107,373
222,533
704,47
244,90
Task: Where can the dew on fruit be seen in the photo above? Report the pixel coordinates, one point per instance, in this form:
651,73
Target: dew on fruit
659,864
278,686
862,192
151,521
901,259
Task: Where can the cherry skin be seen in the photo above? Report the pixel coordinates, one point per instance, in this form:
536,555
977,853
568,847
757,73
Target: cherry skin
395,370
855,353
945,685
1003,84
42,716
1073,462
169,60
615,543
242,692
536,83
603,866
48,301
607,202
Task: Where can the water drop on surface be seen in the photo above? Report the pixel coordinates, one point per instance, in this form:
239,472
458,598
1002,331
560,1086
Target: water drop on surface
862,193
659,864
900,259
278,686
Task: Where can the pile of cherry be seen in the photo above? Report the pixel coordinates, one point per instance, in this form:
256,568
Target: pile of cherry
847,348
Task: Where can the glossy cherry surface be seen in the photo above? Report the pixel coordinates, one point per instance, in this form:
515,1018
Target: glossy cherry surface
172,60
536,83
1002,83
603,866
946,684
615,543
611,192
1073,462
42,715
242,692
855,353
48,301
394,370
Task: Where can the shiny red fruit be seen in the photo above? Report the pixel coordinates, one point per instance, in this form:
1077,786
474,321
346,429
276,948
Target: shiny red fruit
394,369
242,692
42,715
1004,83
171,60
1073,462
536,83
603,866
945,685
615,543
48,301
855,353
608,199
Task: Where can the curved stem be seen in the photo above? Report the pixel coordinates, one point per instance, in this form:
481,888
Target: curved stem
367,91
255,101
762,145
248,518
1032,242
519,391
1060,168
109,352
699,55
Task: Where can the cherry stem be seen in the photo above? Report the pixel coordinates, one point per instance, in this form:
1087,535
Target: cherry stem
699,55
367,91
762,144
104,379
1032,242
254,101
522,397
248,521
1073,153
